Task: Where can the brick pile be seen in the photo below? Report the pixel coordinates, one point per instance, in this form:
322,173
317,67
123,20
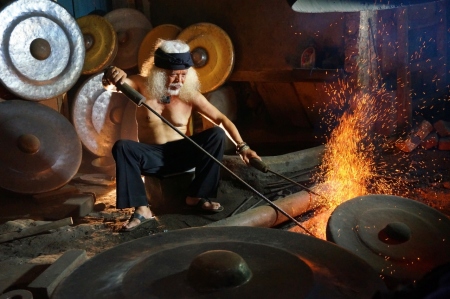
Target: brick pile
427,136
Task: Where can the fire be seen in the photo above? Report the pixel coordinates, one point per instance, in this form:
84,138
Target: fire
351,166
348,164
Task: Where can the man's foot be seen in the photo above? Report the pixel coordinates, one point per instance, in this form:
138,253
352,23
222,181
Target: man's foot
203,204
141,214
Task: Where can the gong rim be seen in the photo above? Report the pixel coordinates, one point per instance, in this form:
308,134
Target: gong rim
116,267
359,225
55,64
102,40
147,47
131,27
39,148
219,61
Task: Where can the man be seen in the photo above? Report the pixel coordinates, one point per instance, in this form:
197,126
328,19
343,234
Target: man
171,88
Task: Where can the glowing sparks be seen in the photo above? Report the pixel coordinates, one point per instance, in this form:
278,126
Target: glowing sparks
349,167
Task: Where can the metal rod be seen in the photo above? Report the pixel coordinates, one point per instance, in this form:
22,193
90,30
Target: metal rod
298,184
139,99
241,205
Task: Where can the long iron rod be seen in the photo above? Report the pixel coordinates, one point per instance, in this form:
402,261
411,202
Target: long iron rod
139,99
261,166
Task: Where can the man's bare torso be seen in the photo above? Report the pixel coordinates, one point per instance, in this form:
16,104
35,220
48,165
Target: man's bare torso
151,129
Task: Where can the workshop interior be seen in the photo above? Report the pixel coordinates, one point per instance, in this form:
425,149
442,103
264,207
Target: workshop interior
347,103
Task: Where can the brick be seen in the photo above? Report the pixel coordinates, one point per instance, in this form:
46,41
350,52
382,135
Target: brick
409,144
444,144
75,206
442,128
422,131
430,141
82,204
44,285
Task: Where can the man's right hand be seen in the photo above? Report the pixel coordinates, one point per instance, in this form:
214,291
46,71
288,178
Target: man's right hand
113,75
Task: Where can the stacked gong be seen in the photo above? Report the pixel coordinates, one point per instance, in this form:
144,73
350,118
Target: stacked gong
41,57
102,117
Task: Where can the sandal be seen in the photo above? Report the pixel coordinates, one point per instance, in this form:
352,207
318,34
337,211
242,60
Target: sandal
141,218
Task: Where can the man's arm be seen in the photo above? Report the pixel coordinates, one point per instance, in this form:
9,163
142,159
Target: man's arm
204,107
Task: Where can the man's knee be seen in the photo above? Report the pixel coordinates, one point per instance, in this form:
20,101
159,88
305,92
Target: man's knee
119,146
218,133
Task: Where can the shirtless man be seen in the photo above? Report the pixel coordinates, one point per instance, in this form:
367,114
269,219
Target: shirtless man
171,88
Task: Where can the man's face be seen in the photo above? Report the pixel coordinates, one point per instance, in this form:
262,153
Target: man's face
175,80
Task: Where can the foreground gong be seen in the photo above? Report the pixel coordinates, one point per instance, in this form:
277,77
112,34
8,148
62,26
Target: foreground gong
39,148
42,49
400,238
212,53
223,262
97,115
100,41
131,27
147,48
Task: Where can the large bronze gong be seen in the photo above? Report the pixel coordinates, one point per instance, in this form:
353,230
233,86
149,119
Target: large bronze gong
212,53
147,47
223,262
39,148
400,238
98,114
42,49
100,41
131,27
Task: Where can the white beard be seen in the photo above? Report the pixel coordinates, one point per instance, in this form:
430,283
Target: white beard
174,89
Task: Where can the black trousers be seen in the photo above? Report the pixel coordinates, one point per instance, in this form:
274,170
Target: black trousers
134,159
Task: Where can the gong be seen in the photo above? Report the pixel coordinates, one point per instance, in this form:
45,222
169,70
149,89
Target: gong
400,238
100,41
223,262
42,49
97,115
147,47
39,148
212,53
131,27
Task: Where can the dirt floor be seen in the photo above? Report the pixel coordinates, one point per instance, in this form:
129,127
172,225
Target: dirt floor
99,230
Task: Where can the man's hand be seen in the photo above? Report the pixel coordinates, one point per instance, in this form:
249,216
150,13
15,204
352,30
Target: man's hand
247,155
113,75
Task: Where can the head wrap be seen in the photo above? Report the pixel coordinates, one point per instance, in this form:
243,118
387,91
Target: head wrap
173,61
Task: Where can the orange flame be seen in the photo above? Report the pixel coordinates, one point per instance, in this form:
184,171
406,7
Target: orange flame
349,167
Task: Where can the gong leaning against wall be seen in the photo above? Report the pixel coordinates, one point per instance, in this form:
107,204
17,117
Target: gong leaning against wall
400,238
39,148
100,41
212,53
42,49
147,47
131,27
98,114
223,262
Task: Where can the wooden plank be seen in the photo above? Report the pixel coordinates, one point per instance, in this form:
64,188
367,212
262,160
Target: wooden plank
35,230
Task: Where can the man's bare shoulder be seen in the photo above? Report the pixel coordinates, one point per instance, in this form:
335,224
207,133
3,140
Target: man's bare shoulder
138,81
197,98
